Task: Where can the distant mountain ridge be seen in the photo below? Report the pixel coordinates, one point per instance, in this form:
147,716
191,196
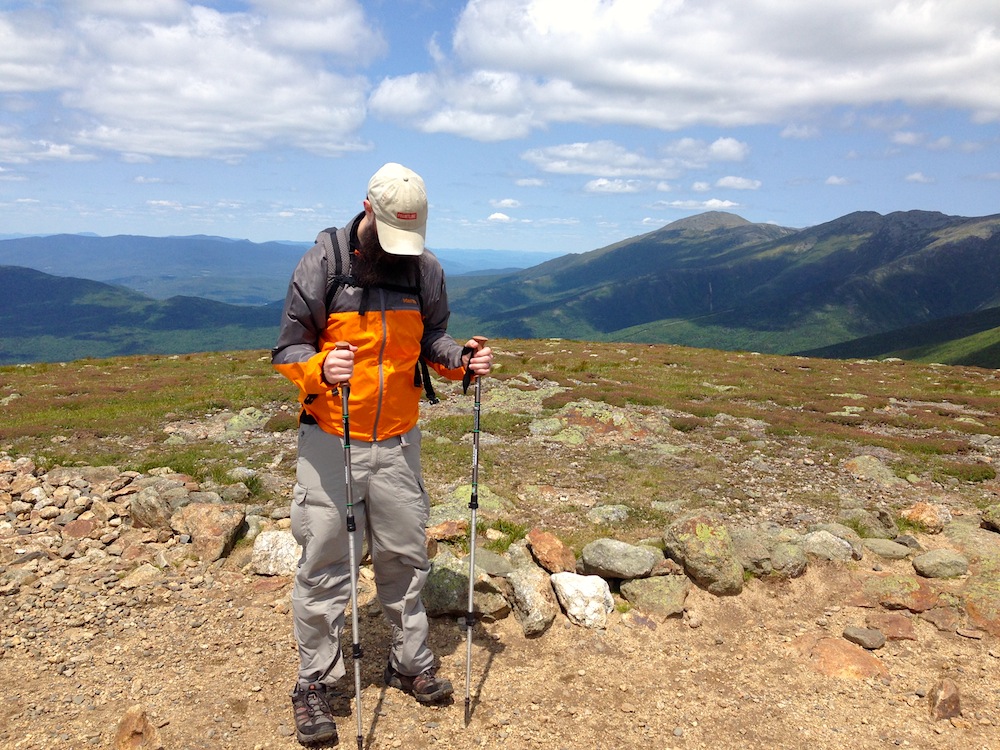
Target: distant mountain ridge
227,270
721,282
916,284
45,318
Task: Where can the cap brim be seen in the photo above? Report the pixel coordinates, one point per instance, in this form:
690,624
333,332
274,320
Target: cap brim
398,241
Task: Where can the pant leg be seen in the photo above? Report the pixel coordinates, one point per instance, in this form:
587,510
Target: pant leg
398,508
319,524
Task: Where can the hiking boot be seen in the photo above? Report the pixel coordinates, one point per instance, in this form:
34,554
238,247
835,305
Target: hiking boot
426,687
313,718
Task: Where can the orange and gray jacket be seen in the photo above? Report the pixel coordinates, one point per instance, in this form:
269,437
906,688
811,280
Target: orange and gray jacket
392,326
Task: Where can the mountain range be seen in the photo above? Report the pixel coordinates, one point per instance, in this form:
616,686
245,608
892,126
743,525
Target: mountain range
917,284
718,281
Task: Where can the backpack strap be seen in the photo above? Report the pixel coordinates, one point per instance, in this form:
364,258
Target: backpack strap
338,266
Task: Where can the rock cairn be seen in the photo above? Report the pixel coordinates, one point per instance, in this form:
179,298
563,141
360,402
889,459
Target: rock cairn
101,529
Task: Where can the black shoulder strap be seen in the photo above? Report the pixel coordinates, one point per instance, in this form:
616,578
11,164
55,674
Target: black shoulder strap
337,267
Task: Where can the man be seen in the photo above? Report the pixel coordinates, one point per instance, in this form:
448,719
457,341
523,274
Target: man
389,303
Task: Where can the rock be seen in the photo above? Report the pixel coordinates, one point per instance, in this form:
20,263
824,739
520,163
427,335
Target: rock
870,467
213,528
826,546
894,626
586,600
867,638
886,549
981,595
701,543
490,562
900,592
878,524
610,558
836,657
449,530
930,516
944,619
608,514
845,533
788,560
156,501
753,550
136,732
275,553
941,563
550,552
532,599
944,700
991,518
662,596
144,575
447,590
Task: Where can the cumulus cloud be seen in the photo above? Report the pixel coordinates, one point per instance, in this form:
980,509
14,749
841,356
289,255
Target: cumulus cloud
505,203
919,178
665,64
173,78
187,78
836,180
800,132
713,204
738,183
603,185
500,218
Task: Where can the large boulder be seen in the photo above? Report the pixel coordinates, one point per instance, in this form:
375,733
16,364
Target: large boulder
702,544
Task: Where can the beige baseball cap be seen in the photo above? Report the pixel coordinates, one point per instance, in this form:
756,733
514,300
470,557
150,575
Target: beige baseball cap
399,199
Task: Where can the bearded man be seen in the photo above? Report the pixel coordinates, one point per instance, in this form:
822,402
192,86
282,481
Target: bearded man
387,299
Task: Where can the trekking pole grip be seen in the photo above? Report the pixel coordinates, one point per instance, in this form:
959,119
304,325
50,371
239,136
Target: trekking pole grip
471,350
343,346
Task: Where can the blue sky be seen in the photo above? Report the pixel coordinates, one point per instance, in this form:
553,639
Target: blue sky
543,125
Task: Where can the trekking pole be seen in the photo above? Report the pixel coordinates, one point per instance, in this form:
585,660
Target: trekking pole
345,395
470,615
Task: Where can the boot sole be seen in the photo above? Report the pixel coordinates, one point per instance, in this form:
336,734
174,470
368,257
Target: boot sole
316,739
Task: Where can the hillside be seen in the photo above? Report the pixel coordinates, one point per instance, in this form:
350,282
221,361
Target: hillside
719,282
971,339
907,284
109,624
52,318
237,272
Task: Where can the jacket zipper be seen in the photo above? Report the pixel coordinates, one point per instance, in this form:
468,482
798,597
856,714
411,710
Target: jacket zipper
381,360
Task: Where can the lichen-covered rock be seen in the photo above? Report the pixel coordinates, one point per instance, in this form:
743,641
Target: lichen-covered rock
702,544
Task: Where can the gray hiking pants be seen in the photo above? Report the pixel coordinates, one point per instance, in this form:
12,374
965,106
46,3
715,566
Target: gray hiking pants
391,507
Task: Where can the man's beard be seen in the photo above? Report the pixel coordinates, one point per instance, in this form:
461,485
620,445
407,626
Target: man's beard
374,266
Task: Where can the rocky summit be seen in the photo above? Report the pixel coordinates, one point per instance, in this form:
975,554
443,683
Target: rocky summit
793,598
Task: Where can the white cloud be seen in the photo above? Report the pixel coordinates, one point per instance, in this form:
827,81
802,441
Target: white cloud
604,158
141,180
800,132
836,180
165,204
713,204
505,203
529,182
666,64
738,183
907,138
499,218
919,178
172,78
701,187
602,185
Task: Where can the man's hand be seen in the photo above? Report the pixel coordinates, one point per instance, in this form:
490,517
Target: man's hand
338,367
481,360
